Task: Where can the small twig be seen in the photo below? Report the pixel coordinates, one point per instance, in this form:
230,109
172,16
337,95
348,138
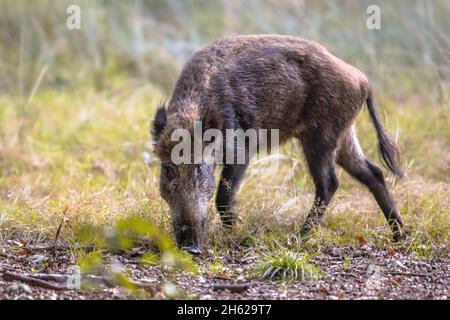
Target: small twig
11,276
58,232
249,258
345,275
411,274
234,288
222,278
60,247
4,268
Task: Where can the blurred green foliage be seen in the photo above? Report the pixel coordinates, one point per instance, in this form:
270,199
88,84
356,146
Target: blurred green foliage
123,235
134,42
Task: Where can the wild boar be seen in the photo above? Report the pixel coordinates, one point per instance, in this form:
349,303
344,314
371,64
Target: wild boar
269,82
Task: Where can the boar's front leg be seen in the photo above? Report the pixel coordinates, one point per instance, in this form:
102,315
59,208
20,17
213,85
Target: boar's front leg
229,184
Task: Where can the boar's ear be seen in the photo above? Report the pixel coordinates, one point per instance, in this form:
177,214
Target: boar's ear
159,122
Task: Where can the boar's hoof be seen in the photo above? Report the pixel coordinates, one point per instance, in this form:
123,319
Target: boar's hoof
306,229
194,250
399,236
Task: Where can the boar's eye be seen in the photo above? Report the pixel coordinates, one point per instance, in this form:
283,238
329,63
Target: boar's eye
173,185
169,171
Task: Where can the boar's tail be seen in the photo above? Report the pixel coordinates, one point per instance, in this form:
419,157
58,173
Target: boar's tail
389,152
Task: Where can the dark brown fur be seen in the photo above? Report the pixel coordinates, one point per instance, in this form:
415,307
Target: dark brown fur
275,82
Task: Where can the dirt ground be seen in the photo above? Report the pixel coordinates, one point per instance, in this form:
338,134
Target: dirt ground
359,272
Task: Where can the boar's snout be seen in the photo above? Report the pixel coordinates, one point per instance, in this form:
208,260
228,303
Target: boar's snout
188,190
188,238
189,232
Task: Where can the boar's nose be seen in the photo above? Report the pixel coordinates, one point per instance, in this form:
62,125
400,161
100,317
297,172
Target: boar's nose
194,250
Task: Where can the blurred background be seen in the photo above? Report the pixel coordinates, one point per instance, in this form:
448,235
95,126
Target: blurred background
129,43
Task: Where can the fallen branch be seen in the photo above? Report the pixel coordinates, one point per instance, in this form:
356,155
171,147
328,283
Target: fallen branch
60,247
12,276
89,248
41,279
59,278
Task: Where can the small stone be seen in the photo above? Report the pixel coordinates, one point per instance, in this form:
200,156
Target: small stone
19,288
170,290
37,258
12,288
53,296
240,278
401,265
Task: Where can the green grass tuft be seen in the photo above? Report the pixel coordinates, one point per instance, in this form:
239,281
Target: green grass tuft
284,264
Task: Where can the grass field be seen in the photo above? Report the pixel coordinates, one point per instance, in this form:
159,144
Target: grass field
79,183
87,157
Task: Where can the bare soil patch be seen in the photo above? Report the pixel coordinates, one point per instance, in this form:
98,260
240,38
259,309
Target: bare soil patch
358,272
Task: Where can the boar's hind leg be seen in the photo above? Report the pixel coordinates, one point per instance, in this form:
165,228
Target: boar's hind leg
353,160
320,156
229,183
